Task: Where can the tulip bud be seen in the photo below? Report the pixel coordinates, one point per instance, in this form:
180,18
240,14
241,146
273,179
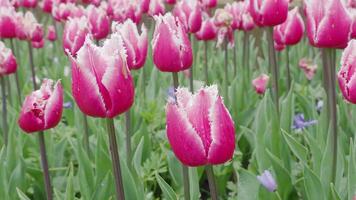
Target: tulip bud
51,33
200,129
7,22
102,85
260,83
75,31
172,51
267,180
346,75
190,14
42,109
136,45
328,23
8,63
207,31
99,22
291,31
156,8
269,12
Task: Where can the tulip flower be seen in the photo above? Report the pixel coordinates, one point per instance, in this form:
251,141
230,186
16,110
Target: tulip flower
291,31
279,47
172,2
242,19
269,12
207,31
8,63
120,10
8,22
347,80
99,22
200,129
324,27
136,44
190,14
260,83
28,3
102,85
51,33
209,3
145,6
75,31
64,11
267,180
42,109
156,8
223,20
308,67
46,6
172,51
29,29
38,45
351,3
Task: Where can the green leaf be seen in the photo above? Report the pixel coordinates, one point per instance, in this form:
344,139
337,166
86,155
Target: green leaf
167,191
70,189
351,174
137,157
248,186
22,195
312,185
130,187
103,189
334,194
298,149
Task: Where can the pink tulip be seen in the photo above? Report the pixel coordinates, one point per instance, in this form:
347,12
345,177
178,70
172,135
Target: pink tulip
351,3
38,45
8,22
28,28
209,3
145,5
102,84
136,45
200,129
120,10
8,63
172,2
51,33
346,75
223,20
156,8
242,19
269,12
291,31
308,67
99,22
75,31
64,11
42,109
172,51
325,29
260,83
189,13
207,31
278,46
28,3
5,3
47,5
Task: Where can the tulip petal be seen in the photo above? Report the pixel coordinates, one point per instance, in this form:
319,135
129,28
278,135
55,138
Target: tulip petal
54,107
28,121
222,134
183,138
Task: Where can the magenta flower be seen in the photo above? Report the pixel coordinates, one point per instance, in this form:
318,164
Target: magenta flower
209,3
223,21
199,128
8,63
172,51
291,31
75,31
189,13
242,19
51,33
46,6
120,10
28,28
99,22
102,85
172,2
346,75
156,8
308,67
136,44
324,27
42,109
8,23
260,83
269,12
208,30
28,3
38,45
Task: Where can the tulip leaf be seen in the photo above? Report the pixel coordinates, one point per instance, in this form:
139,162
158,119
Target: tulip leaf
137,157
298,150
312,185
351,174
167,191
70,186
334,194
248,185
22,195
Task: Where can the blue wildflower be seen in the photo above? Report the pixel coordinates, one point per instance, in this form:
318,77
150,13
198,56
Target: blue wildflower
299,123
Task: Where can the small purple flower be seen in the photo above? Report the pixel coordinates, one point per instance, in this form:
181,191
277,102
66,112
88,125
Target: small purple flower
67,105
171,95
299,123
319,105
267,180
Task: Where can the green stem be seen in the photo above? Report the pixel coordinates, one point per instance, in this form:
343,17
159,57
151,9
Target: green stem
115,159
128,136
278,196
326,75
4,110
246,53
44,164
191,77
32,66
226,77
289,78
273,63
86,135
9,95
206,67
235,60
185,169
211,179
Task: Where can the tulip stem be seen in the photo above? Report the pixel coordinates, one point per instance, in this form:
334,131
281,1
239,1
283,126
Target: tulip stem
246,53
289,78
206,72
128,136
226,81
324,54
273,63
191,77
16,73
185,169
4,110
211,180
115,159
44,163
32,66
235,60
86,135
